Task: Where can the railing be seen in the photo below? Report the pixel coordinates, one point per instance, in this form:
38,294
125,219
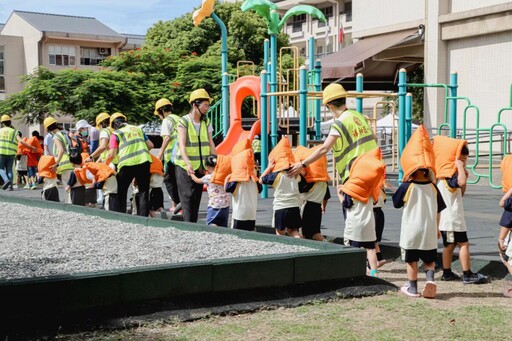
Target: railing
215,116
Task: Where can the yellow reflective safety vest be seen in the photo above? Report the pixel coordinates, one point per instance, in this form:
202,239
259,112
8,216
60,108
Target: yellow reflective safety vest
132,148
174,119
356,138
8,141
197,146
104,155
64,163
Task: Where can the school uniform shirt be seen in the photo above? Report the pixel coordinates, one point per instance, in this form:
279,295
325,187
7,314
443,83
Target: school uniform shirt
110,185
359,220
315,192
286,190
421,202
49,183
156,181
245,199
452,218
381,200
217,195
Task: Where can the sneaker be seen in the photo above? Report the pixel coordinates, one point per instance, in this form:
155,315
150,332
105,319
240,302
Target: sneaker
163,215
27,186
508,293
475,278
15,186
380,263
177,209
10,188
6,185
405,290
451,276
430,290
33,186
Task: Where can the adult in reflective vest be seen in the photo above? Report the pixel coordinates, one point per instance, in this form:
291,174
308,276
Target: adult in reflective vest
350,134
133,147
169,133
195,144
9,139
101,153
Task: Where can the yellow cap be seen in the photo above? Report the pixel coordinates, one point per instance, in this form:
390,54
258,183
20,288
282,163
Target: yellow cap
199,94
333,91
48,122
160,103
100,118
114,116
5,118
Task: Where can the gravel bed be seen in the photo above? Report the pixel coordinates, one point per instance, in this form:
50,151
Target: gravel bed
36,242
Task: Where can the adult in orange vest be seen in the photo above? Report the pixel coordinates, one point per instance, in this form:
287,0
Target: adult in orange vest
9,139
195,144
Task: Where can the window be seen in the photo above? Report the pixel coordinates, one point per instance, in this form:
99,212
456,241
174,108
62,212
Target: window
348,11
2,78
328,12
62,55
93,55
298,20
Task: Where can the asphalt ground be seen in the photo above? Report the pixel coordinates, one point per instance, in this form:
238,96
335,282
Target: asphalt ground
482,214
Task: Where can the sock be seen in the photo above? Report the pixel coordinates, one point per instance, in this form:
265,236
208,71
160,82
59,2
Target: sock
467,273
413,287
430,275
447,271
379,256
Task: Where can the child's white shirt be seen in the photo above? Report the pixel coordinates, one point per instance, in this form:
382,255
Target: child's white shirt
156,180
315,194
360,222
245,201
49,183
452,217
286,192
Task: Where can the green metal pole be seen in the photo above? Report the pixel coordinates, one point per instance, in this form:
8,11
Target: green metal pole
273,89
408,116
402,86
311,53
453,104
225,78
303,99
266,47
264,128
359,88
318,87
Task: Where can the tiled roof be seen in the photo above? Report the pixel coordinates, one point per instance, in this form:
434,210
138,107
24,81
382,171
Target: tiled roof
46,22
136,39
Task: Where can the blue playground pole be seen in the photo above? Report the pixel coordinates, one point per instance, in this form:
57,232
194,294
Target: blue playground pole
408,116
402,86
453,104
317,106
273,89
359,88
264,128
311,53
303,99
266,46
225,78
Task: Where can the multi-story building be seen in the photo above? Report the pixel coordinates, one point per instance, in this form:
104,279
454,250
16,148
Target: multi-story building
29,40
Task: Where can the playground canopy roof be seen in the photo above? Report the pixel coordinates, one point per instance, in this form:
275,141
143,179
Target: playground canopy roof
362,56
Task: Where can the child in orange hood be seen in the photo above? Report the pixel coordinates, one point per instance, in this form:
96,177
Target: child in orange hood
287,199
422,203
243,184
77,180
217,213
48,178
156,195
357,195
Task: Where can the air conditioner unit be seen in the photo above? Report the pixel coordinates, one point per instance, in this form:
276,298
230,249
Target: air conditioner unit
103,50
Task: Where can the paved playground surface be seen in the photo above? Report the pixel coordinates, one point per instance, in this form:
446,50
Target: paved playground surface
481,209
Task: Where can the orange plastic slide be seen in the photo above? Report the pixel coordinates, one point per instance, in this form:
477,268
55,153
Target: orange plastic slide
243,87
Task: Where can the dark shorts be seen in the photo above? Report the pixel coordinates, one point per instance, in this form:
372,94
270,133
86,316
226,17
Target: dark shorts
311,219
452,237
32,171
246,225
366,245
22,173
287,218
90,196
427,256
217,216
78,195
156,198
506,219
51,194
379,222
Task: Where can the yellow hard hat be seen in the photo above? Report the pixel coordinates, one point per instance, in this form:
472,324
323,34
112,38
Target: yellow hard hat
199,94
114,116
100,118
333,91
160,103
48,122
5,118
